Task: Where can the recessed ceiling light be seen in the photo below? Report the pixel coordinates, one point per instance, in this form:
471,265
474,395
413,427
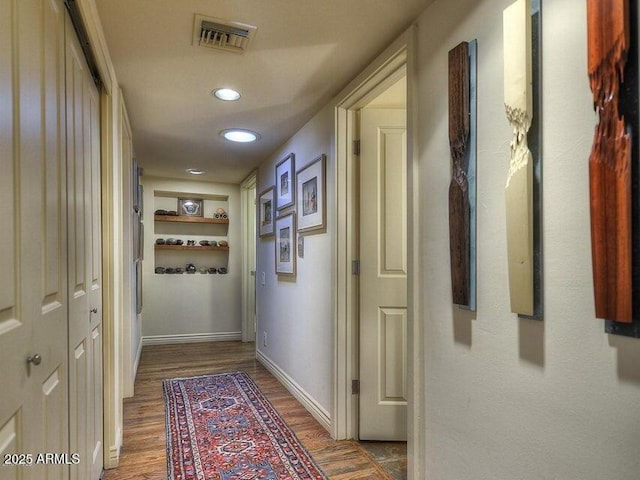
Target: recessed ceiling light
240,135
195,171
226,94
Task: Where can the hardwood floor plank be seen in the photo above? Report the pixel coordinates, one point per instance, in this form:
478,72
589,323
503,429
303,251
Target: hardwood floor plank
143,454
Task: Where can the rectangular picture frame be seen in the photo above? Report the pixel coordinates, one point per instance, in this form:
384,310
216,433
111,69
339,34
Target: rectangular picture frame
285,182
285,244
311,188
266,212
190,207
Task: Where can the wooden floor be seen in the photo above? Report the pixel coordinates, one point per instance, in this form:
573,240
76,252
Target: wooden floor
143,454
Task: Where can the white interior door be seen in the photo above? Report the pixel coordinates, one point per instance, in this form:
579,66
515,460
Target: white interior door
85,292
383,275
33,269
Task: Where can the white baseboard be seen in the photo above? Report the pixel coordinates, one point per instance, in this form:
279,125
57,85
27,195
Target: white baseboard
192,338
113,457
307,401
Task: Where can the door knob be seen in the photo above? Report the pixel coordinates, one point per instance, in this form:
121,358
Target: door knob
35,359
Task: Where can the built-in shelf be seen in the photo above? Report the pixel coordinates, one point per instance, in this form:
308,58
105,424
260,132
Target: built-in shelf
189,247
179,219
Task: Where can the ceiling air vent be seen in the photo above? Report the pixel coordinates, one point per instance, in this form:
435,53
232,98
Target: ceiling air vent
221,34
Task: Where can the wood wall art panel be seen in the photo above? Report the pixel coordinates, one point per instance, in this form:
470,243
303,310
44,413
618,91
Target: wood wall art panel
610,161
459,209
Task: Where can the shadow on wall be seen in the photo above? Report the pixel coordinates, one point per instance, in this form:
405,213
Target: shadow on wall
531,336
463,326
628,358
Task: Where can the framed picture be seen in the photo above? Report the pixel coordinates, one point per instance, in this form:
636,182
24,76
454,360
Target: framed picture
286,244
266,212
311,189
285,183
190,207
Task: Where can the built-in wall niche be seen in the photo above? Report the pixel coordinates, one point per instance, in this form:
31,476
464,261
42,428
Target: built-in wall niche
191,244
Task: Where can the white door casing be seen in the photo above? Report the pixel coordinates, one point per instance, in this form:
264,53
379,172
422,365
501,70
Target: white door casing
33,273
84,252
383,275
248,207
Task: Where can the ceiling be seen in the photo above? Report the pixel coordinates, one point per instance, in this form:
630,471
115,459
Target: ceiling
303,53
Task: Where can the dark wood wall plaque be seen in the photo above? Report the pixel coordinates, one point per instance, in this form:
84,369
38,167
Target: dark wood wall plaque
459,209
610,161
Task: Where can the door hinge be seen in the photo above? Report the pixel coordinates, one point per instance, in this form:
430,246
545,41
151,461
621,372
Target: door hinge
355,387
356,147
355,267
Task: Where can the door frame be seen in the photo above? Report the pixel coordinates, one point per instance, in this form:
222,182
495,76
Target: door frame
248,215
397,60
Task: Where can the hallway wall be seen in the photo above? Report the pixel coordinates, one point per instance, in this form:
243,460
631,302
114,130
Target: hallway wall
508,398
296,313
505,398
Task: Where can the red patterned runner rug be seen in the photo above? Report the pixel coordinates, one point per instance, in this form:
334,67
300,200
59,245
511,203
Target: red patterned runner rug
221,427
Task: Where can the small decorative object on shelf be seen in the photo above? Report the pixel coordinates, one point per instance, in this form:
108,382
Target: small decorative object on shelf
160,241
191,268
213,243
170,270
165,213
179,270
213,270
190,207
204,270
204,243
222,270
223,243
160,270
191,242
220,213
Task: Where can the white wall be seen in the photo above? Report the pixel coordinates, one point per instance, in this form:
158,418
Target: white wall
179,305
296,313
507,398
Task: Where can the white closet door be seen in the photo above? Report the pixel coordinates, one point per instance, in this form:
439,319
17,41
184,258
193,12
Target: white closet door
85,289
33,239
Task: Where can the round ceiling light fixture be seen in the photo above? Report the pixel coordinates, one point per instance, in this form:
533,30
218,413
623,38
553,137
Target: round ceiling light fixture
226,94
240,135
195,171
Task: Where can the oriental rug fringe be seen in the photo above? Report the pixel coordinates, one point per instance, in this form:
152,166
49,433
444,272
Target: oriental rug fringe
221,427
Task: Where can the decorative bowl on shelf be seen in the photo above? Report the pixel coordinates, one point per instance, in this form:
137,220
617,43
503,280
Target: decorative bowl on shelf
222,270
223,243
160,241
213,270
204,243
160,270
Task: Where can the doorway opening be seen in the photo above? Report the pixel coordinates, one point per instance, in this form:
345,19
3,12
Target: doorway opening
401,327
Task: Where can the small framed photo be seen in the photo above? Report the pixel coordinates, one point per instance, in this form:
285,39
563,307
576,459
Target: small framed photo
285,182
286,244
266,212
312,202
190,207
